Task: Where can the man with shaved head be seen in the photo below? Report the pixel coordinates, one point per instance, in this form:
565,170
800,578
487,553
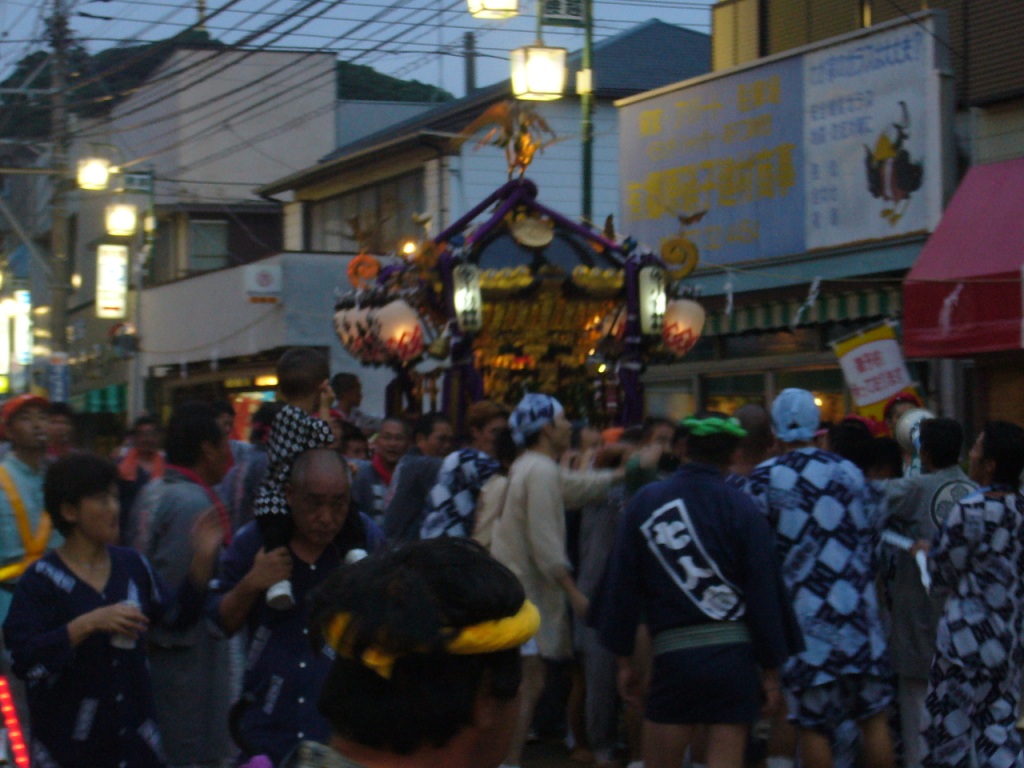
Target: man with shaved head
284,672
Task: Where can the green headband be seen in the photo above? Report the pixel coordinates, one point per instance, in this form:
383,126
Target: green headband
713,425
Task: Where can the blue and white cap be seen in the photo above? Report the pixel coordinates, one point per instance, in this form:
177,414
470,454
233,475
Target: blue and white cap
795,417
533,412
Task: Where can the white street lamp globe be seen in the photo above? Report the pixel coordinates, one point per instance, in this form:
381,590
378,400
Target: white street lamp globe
493,9
93,173
122,219
538,72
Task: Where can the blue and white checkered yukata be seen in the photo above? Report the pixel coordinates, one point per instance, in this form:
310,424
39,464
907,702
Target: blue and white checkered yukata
977,559
826,518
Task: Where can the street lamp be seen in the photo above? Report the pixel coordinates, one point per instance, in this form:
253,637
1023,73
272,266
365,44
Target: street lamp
94,173
493,9
122,219
538,72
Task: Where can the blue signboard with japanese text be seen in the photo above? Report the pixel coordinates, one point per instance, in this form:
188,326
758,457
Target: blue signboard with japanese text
838,145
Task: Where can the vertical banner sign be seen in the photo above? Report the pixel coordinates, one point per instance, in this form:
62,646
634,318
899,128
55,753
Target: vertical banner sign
59,378
111,281
873,367
563,13
23,327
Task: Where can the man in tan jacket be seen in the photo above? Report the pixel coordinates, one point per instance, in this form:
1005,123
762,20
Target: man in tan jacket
530,539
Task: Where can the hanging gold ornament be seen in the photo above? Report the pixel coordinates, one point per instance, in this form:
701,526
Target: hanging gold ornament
532,231
680,255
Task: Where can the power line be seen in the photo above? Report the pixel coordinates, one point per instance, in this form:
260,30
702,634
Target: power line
265,97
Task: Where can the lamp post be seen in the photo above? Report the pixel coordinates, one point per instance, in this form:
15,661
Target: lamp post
538,73
122,220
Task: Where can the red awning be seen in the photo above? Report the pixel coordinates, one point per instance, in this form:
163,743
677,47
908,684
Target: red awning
963,295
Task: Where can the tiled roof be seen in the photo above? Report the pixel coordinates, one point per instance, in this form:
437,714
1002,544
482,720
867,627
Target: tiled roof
623,65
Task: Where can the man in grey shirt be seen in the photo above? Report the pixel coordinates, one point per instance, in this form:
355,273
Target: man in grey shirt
917,507
190,667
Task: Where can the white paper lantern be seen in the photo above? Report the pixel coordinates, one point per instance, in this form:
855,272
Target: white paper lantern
466,297
400,330
684,323
652,289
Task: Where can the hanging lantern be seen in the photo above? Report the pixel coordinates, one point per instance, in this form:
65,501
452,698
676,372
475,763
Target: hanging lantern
684,323
466,297
93,173
122,219
538,72
400,330
493,9
652,287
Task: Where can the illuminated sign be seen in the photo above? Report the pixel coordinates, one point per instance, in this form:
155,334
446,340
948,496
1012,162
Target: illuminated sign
112,281
23,327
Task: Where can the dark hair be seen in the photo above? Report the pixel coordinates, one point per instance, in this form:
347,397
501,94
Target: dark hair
72,478
711,449
343,383
396,420
145,421
350,431
942,439
886,457
631,435
1003,442
263,420
505,449
406,601
223,408
651,423
482,413
758,422
301,371
424,425
60,409
852,440
192,424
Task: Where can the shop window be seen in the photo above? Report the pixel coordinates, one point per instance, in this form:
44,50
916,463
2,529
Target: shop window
729,393
381,212
827,385
207,245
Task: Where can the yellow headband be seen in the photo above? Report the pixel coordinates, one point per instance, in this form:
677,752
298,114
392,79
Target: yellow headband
485,637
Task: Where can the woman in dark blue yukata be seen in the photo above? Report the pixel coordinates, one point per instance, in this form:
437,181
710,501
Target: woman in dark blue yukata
76,623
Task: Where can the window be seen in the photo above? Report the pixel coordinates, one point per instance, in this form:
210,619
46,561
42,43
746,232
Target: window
207,245
382,213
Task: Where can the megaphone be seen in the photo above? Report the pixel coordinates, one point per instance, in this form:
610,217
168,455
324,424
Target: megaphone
908,429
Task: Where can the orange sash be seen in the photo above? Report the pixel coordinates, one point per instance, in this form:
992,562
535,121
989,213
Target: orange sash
34,543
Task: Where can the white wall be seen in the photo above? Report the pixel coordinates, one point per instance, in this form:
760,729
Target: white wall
557,171
220,124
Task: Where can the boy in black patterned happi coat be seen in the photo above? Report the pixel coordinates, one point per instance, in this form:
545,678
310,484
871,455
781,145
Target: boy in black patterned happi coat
302,382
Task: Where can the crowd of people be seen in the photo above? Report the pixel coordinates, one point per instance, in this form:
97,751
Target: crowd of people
345,590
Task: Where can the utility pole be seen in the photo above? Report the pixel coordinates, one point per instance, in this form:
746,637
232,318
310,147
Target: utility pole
587,108
59,283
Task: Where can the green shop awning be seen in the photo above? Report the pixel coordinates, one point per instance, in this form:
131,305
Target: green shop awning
776,315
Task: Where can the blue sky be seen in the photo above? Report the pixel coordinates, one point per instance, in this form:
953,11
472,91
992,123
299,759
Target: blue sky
399,37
